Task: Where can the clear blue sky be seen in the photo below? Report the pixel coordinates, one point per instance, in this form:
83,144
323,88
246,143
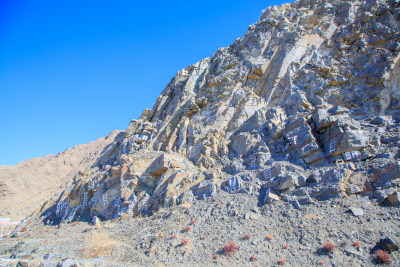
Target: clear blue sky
73,71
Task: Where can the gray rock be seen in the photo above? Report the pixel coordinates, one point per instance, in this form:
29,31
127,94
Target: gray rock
68,263
394,199
356,211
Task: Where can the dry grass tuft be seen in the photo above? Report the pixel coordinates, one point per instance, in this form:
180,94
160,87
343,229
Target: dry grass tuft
230,248
99,245
382,256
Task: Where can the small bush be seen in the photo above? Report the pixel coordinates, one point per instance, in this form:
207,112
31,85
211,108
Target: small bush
269,237
75,223
328,247
281,262
320,262
185,241
357,244
193,222
230,248
24,229
187,228
173,236
382,256
203,237
247,237
253,258
286,246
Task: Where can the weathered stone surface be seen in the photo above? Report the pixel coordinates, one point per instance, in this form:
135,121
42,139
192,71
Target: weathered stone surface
305,103
159,166
394,199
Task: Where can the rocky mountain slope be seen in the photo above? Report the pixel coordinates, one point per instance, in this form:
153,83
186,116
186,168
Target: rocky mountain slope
301,113
25,186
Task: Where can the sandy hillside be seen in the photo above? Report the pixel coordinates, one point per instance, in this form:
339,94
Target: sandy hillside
25,186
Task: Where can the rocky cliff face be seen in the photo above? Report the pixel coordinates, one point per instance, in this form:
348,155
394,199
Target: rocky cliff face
25,186
304,106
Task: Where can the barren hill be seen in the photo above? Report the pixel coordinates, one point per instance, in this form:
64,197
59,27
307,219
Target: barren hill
25,186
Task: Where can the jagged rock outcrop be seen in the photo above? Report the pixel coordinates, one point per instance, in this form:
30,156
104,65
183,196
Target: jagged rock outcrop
306,103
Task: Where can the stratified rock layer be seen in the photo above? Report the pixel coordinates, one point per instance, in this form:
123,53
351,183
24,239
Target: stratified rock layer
305,104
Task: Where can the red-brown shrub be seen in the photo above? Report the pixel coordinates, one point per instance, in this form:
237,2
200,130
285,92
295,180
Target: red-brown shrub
253,258
203,237
230,248
75,223
192,222
187,228
281,262
185,241
286,246
320,262
173,236
24,229
357,244
328,247
382,256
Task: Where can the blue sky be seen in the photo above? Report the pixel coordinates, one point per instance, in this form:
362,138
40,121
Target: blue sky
73,71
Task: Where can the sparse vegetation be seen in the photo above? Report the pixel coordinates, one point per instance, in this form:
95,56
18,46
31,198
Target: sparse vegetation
185,241
328,247
286,246
269,237
193,222
356,244
253,258
281,262
187,228
382,256
230,248
24,229
173,236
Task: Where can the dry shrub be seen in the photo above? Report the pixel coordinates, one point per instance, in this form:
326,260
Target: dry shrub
357,244
328,247
99,245
187,228
286,246
193,222
185,241
269,237
253,258
281,262
382,256
24,229
230,248
173,236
